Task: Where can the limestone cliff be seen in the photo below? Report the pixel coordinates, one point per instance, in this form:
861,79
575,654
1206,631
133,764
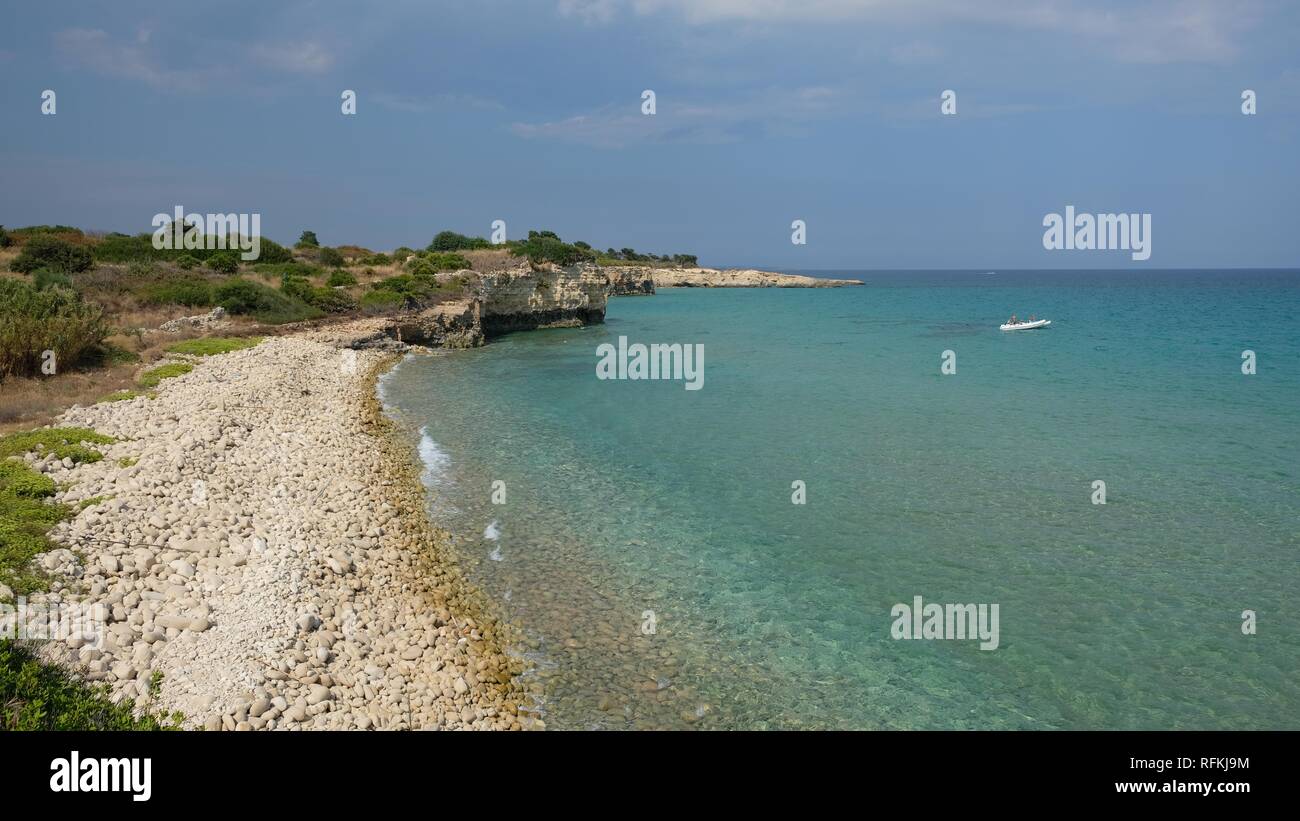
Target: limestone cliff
524,297
447,325
746,278
630,280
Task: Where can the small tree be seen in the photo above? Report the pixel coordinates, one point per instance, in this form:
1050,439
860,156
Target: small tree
43,251
224,262
308,240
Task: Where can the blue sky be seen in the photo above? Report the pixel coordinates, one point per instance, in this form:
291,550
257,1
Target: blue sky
767,111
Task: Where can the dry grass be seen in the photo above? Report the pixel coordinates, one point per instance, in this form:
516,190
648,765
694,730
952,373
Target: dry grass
31,403
490,259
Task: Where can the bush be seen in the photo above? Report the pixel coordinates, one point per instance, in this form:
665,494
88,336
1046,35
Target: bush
340,278
382,300
194,292
186,262
225,262
428,264
296,287
451,241
122,248
40,696
44,278
55,254
331,301
331,258
55,319
272,252
307,240
5,239
240,296
545,246
376,259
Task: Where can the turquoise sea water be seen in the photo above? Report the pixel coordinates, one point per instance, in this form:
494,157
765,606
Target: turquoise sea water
624,497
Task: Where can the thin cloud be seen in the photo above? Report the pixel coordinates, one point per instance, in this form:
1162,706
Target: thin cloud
774,114
1157,31
424,104
303,57
94,49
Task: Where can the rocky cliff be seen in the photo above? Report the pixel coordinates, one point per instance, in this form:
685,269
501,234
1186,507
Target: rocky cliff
746,278
630,280
447,325
522,297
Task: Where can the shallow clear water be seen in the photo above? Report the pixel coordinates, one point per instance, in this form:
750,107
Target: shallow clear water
630,496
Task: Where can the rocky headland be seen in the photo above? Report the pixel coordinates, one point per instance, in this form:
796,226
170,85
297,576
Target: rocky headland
740,278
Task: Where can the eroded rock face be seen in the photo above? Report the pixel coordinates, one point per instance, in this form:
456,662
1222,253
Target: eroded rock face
524,298
630,280
448,325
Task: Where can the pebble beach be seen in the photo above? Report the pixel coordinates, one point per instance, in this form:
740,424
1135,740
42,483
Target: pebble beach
257,537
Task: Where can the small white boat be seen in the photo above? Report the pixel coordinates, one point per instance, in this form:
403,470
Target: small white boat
1025,326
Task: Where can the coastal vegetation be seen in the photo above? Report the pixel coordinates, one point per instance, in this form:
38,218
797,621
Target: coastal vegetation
39,696
213,345
26,510
96,300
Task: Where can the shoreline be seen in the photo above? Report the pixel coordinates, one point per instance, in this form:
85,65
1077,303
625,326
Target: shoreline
270,554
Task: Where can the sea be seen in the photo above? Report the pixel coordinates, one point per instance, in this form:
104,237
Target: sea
1123,485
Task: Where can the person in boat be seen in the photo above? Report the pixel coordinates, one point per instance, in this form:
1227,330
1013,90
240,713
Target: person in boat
1031,318
1012,320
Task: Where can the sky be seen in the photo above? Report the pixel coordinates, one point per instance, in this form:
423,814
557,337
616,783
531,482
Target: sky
766,112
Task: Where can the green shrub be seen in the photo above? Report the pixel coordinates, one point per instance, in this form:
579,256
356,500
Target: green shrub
186,262
331,301
53,253
273,252
194,292
35,696
55,319
225,262
20,480
381,301
546,246
331,258
121,248
25,517
340,278
240,296
376,259
153,376
451,241
431,263
5,239
296,287
44,278
63,443
307,240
